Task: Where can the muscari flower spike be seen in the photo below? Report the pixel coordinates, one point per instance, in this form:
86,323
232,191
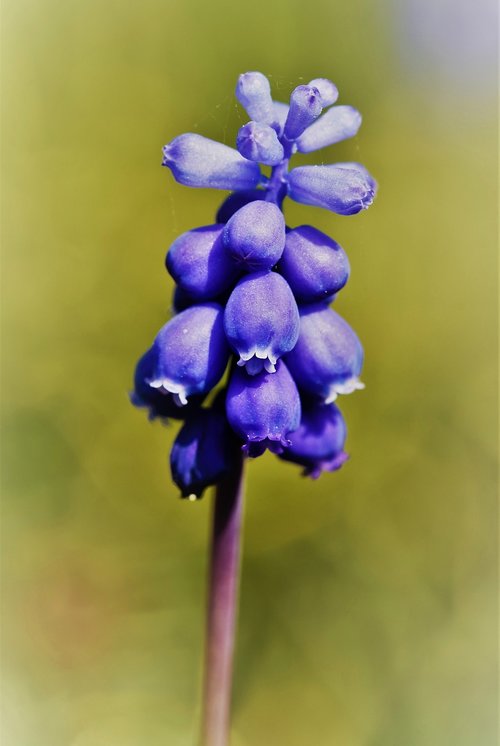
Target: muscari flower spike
254,293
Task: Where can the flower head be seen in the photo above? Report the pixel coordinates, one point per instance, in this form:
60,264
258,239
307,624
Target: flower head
254,293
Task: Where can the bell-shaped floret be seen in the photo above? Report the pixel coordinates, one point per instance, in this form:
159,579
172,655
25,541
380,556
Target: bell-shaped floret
255,236
159,404
192,352
318,442
328,357
313,264
261,321
305,106
253,91
235,201
200,264
263,409
327,90
335,125
259,142
203,452
342,188
197,161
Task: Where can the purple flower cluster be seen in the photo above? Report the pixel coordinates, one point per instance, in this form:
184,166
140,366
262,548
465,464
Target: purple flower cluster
253,295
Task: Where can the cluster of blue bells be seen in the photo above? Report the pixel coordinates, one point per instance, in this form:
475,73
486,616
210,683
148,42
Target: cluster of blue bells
253,296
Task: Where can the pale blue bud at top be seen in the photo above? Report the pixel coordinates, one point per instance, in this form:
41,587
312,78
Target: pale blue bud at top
305,107
335,125
261,320
318,442
255,236
280,114
360,170
197,161
192,352
158,404
328,357
339,188
313,264
253,91
263,409
203,452
327,90
236,200
200,264
259,142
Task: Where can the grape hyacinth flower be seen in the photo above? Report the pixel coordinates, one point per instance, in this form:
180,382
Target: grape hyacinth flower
251,310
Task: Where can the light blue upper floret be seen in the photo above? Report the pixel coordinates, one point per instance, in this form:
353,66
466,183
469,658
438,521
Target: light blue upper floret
196,161
277,131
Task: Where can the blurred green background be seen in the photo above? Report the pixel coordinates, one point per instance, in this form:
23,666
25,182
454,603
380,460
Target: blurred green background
369,598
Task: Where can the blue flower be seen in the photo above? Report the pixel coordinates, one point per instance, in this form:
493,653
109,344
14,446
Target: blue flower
191,353
259,142
306,104
159,404
261,320
203,452
254,94
314,265
339,188
255,235
197,161
328,357
263,409
318,442
335,125
200,264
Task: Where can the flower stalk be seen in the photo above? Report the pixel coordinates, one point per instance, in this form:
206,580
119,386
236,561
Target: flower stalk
222,606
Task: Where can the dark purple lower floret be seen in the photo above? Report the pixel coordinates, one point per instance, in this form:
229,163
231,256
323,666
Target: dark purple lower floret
203,452
318,442
263,409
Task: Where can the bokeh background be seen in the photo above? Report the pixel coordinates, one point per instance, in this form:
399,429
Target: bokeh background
369,599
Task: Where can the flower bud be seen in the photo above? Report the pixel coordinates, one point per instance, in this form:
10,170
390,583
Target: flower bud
313,264
335,125
305,107
255,236
340,188
200,264
192,352
159,404
259,142
318,442
261,321
263,409
203,452
236,200
197,161
254,94
327,90
328,357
